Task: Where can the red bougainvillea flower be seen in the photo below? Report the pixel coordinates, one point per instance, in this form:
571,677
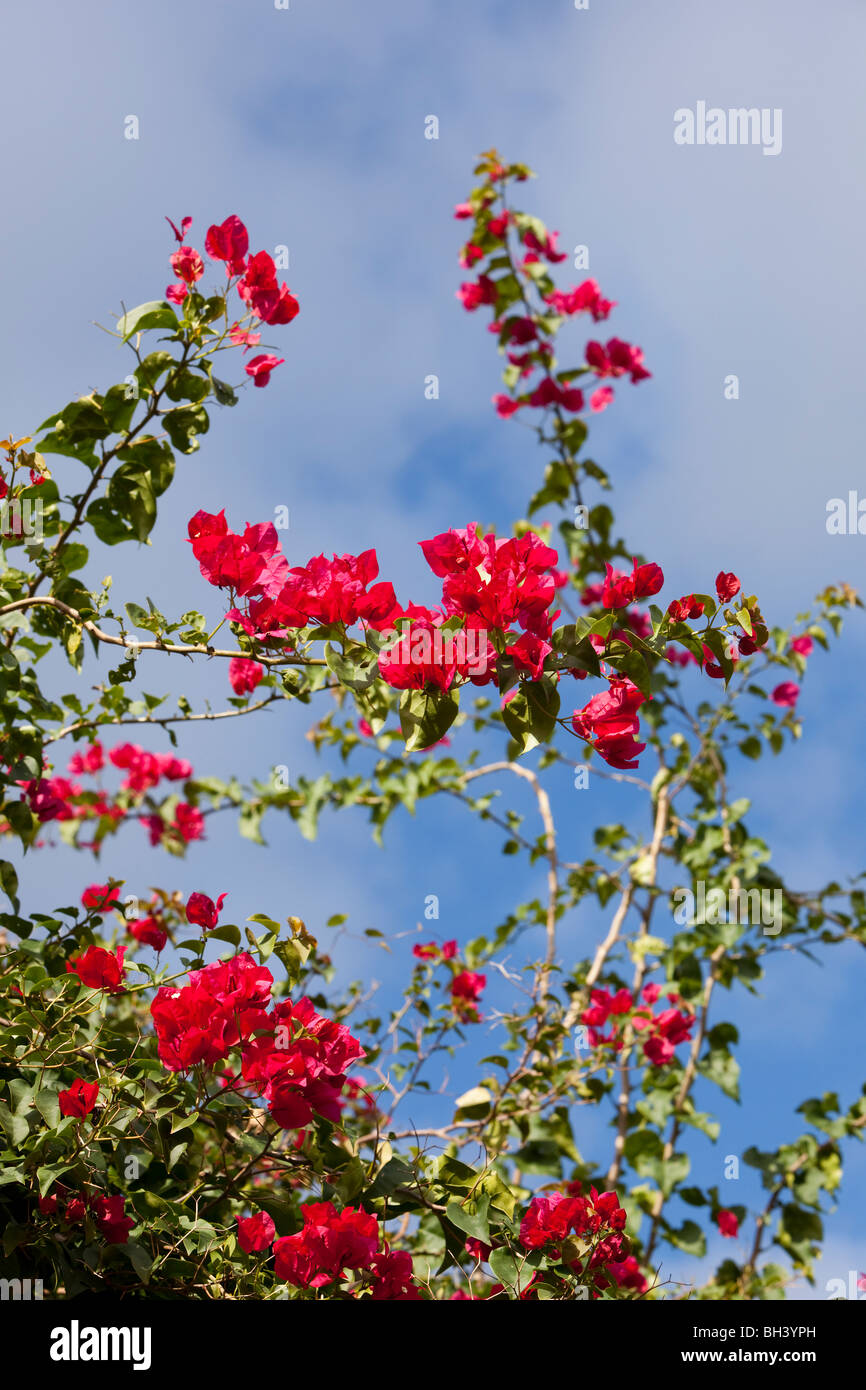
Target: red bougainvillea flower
177,292
585,297
786,694
682,609
601,399
80,1099
48,1205
255,1232
492,583
100,898
727,586
202,911
545,248
528,654
271,302
91,761
323,591
110,1220
99,969
228,242
551,392
241,337
432,951
326,1246
517,329
727,1222
803,645
422,658
144,770
188,822
549,1220
187,265
603,1004
220,1007
185,225
260,367
466,990
392,1277
610,724
250,564
619,590
670,1028
366,728
478,1249
76,1209
470,254
149,931
506,406
473,293
616,359
244,675
712,667
298,1062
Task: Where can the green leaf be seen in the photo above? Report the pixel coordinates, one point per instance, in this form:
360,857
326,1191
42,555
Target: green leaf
505,1267
690,1238
474,1223
355,667
9,882
227,932
223,393
184,424
48,1106
426,716
16,1127
187,385
530,716
395,1174
157,313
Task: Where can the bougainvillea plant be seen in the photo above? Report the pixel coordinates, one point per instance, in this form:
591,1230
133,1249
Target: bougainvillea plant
188,1110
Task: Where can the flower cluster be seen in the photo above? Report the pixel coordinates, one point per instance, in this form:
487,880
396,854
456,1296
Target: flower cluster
252,566
108,1213
298,1063
598,1221
255,278
60,798
220,1008
493,587
609,723
465,986
331,1245
290,1055
534,328
664,1031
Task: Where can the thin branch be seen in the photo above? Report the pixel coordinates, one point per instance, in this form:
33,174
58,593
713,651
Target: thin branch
132,644
169,719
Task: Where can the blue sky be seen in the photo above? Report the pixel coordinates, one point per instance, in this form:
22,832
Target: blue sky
309,123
